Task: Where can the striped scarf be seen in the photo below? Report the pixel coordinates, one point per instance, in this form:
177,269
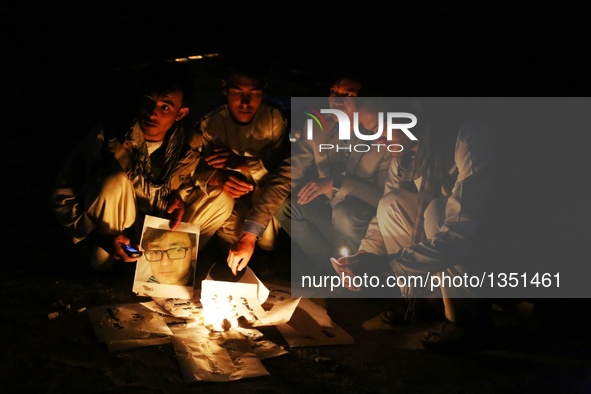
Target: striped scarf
156,178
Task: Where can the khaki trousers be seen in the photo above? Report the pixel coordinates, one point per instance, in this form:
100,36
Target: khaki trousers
113,206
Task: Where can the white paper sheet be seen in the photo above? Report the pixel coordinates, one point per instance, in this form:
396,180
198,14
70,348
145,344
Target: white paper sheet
204,352
177,307
309,323
230,301
128,326
247,298
250,277
219,357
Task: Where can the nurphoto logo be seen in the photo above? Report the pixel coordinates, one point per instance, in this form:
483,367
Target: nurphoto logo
345,124
378,137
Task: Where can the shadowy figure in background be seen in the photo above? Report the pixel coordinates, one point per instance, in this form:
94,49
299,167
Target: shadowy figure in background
171,255
246,147
135,163
428,220
335,188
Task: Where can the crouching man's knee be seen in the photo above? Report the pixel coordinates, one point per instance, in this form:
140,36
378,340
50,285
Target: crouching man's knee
210,213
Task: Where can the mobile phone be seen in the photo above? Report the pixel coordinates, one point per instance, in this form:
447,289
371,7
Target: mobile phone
131,251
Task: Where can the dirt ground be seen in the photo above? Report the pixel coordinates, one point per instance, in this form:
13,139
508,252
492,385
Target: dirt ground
532,350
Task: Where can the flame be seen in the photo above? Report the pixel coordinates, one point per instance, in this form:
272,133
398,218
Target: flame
219,320
344,251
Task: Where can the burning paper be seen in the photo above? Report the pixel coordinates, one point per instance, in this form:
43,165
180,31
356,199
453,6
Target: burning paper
248,276
217,357
224,303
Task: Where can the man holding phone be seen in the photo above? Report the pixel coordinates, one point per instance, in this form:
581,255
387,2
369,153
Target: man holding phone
131,251
137,164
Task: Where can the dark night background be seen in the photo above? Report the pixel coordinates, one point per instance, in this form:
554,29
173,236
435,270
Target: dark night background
66,65
63,64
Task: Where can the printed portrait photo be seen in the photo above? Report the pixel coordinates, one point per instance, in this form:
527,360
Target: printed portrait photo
168,262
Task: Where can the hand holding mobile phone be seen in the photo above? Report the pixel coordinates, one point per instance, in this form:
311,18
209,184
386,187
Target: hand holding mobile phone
131,251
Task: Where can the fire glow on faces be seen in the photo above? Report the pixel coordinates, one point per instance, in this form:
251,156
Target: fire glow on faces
341,95
245,96
158,112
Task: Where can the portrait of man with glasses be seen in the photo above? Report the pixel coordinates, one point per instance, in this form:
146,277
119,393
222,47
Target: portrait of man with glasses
167,265
170,254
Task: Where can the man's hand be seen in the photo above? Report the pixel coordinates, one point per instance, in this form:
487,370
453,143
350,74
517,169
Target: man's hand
111,243
236,187
314,189
241,252
359,264
175,211
218,158
226,158
347,267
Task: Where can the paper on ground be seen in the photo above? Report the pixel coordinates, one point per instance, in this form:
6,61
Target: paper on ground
181,308
309,324
213,351
128,326
222,357
325,336
230,301
249,277
246,298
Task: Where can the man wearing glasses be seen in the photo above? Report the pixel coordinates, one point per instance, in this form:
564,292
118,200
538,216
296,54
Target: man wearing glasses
171,255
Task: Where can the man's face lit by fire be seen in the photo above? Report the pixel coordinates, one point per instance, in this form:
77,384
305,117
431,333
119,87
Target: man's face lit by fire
158,113
245,96
341,96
